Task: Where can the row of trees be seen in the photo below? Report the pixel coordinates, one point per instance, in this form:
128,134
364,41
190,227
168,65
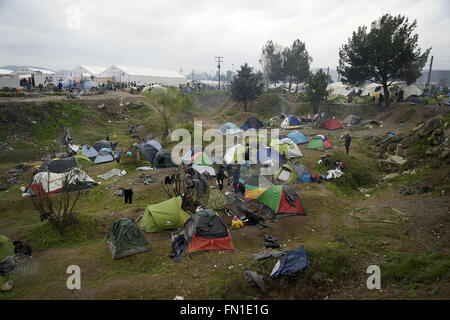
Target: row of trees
386,53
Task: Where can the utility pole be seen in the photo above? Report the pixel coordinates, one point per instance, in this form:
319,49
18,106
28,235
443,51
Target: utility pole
192,77
219,60
429,74
328,72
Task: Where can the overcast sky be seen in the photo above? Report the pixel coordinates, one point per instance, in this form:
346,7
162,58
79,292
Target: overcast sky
176,34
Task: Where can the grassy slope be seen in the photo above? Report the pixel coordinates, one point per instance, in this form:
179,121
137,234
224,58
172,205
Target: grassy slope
334,267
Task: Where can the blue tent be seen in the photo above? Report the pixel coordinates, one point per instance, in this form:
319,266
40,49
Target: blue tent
229,128
252,123
148,151
298,137
291,122
266,154
292,262
155,144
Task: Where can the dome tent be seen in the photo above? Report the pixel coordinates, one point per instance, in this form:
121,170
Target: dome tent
235,153
229,128
287,147
320,142
291,122
295,173
147,150
163,159
283,200
252,123
166,215
331,124
125,239
266,154
298,137
203,231
6,247
351,120
155,144
255,181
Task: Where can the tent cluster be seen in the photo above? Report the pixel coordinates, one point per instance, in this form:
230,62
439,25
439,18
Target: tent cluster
153,152
100,152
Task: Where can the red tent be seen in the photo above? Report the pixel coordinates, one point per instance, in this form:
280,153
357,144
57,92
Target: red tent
332,124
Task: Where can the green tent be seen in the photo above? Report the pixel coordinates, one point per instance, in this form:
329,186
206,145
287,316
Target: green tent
125,239
283,200
82,161
163,159
166,215
287,173
202,159
6,247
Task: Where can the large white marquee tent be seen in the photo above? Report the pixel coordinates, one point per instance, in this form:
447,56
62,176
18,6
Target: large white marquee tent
144,76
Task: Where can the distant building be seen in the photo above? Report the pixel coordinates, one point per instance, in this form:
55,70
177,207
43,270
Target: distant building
144,76
4,71
82,71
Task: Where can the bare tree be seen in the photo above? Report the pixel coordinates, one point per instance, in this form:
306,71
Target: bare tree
58,208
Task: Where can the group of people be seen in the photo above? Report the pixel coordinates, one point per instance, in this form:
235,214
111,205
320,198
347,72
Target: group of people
233,173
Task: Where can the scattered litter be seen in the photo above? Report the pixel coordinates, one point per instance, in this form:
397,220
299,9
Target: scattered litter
144,168
292,262
270,242
267,254
256,278
110,174
178,298
122,173
7,286
230,267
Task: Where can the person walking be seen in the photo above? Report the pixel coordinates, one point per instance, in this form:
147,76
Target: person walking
236,176
348,139
128,193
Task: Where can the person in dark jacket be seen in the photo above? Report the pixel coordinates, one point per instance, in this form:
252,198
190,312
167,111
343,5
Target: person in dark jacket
220,177
128,193
236,176
348,139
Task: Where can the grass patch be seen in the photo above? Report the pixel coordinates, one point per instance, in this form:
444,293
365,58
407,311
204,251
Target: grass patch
43,236
406,116
412,268
357,174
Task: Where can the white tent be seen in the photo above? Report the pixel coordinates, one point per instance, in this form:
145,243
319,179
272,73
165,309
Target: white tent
202,169
9,81
30,71
293,150
82,71
5,71
339,89
372,89
236,152
144,76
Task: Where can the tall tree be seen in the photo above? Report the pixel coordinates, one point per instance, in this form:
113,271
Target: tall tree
272,62
169,103
246,85
316,89
387,53
296,62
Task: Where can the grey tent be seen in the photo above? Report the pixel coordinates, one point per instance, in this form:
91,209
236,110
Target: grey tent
59,165
104,156
351,120
101,144
147,150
